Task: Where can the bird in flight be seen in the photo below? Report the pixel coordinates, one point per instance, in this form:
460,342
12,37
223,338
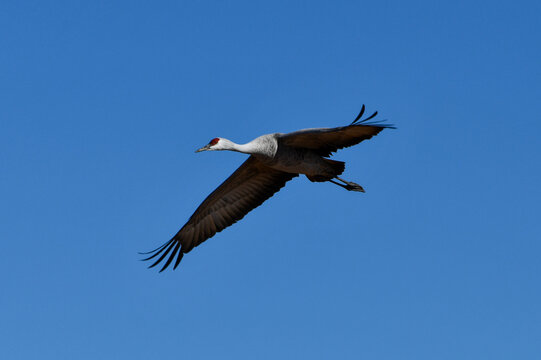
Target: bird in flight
274,160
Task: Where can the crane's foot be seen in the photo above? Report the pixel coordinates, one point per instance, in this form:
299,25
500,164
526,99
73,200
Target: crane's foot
354,187
348,185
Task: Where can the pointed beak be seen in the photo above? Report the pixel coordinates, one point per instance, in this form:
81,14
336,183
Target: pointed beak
204,148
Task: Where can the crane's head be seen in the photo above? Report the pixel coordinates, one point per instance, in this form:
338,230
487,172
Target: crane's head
214,144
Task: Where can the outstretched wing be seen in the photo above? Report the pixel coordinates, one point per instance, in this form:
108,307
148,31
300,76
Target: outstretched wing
247,188
325,141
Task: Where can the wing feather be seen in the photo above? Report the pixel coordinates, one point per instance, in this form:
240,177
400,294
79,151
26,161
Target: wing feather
247,188
325,141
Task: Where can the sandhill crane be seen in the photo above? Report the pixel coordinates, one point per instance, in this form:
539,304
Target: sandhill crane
274,160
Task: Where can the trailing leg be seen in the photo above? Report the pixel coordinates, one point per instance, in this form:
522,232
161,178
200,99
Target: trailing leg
350,186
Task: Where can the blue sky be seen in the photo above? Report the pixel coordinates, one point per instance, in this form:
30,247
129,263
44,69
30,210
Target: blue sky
102,105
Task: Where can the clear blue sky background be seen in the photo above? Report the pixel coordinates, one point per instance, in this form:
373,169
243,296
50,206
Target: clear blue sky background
102,105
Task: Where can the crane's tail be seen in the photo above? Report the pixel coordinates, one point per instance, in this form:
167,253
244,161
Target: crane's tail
338,167
334,168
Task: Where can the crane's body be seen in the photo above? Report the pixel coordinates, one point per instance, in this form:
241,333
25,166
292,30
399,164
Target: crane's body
275,159
270,151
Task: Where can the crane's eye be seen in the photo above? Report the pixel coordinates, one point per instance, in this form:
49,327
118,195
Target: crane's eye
214,141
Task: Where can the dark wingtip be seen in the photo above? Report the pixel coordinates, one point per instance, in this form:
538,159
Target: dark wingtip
371,116
359,116
364,122
153,251
179,257
164,250
171,257
381,124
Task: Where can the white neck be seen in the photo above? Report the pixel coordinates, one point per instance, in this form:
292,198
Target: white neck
248,148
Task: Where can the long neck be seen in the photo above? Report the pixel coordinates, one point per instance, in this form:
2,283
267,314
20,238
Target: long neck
248,148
